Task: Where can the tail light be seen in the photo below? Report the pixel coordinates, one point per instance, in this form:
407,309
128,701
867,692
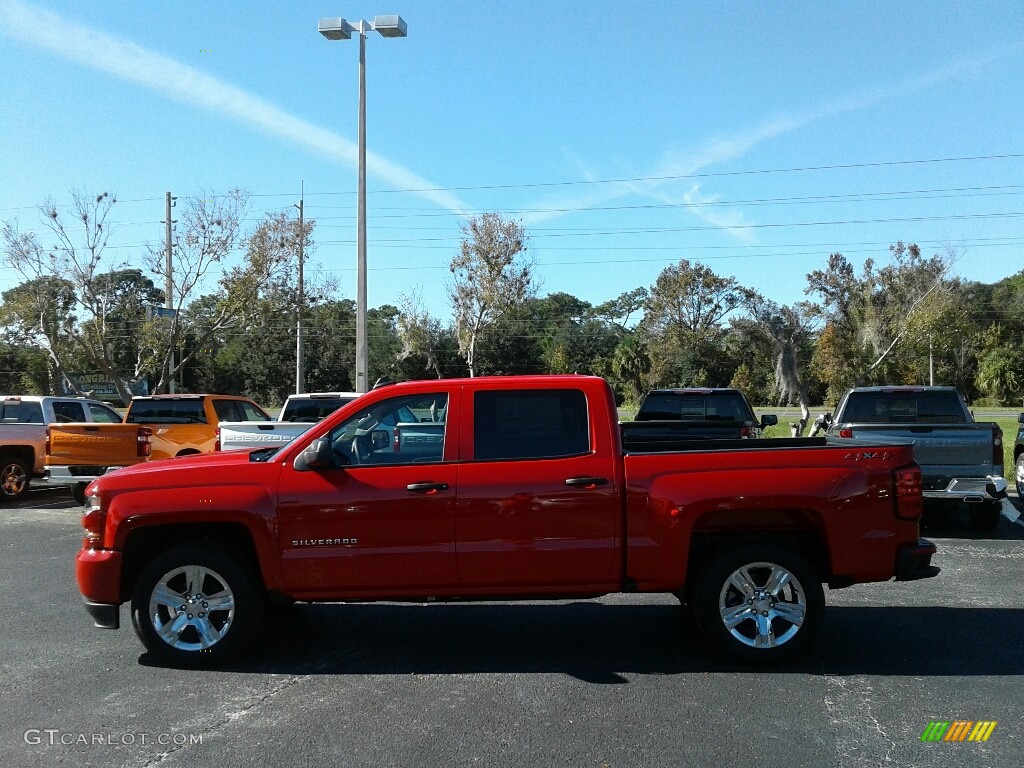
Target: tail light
997,447
744,431
398,440
143,446
94,520
909,498
47,441
216,438
846,432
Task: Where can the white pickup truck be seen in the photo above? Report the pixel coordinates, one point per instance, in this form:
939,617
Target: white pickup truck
23,449
300,412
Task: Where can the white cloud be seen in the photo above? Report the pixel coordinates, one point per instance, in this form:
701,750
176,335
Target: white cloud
188,85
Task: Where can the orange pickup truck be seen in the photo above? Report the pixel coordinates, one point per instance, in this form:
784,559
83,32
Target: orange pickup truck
187,424
79,453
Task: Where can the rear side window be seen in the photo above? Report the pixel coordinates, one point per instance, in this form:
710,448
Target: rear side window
530,424
227,410
903,407
65,411
166,412
22,413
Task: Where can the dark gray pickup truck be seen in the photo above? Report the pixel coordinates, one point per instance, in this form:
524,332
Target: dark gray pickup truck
961,459
713,413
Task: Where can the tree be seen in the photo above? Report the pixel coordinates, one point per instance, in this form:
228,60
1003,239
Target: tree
785,328
419,332
682,322
490,277
260,293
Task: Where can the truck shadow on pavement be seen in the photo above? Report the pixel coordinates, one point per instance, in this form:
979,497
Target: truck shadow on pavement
605,643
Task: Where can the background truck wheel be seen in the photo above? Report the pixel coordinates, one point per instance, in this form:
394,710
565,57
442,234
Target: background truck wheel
759,603
196,605
1020,476
985,516
13,478
78,492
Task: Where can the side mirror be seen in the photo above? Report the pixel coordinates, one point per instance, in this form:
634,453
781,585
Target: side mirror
316,455
1020,418
769,420
379,438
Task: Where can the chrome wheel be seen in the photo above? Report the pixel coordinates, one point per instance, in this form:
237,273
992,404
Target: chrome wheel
762,605
191,608
198,604
1020,476
759,602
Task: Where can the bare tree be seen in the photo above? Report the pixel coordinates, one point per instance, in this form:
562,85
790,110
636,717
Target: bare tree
75,258
418,332
489,278
784,328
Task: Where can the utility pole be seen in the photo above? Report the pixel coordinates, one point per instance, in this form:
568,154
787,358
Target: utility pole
300,355
169,296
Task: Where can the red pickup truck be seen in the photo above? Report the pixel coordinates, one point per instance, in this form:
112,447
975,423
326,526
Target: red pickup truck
498,488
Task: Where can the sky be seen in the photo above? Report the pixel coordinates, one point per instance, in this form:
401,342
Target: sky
753,137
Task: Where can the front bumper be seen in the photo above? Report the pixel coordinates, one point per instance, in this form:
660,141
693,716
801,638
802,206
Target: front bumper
914,561
98,573
104,615
971,489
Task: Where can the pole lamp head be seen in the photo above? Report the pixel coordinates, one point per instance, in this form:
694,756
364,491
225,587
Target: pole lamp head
390,26
335,29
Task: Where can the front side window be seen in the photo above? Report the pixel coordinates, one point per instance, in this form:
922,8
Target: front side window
251,412
530,424
104,415
400,430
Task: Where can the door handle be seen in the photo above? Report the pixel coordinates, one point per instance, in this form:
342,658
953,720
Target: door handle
586,482
426,488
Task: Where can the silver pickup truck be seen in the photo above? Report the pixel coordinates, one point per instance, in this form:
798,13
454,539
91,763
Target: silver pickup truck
300,412
961,459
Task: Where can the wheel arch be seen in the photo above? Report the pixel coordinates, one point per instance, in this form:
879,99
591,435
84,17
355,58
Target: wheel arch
148,542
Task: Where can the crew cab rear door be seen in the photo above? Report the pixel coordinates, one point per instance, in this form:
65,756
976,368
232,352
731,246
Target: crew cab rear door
537,505
380,520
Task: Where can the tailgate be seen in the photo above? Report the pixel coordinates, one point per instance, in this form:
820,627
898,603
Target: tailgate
959,449
105,445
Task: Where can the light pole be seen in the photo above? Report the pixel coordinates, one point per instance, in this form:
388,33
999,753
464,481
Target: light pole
339,29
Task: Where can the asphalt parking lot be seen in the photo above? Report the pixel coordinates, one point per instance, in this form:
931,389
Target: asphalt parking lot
621,681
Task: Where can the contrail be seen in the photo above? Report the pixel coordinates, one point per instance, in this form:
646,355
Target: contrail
727,147
188,85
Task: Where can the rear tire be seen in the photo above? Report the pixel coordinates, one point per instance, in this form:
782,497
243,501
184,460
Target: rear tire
14,478
759,603
197,605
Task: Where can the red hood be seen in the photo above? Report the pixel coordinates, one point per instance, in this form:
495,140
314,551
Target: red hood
194,469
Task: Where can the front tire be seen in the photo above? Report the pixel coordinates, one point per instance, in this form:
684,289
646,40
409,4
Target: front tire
78,492
197,605
14,477
759,603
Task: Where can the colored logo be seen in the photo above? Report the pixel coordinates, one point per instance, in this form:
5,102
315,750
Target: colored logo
958,730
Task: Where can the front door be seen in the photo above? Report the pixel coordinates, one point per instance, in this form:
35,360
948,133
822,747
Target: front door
380,520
